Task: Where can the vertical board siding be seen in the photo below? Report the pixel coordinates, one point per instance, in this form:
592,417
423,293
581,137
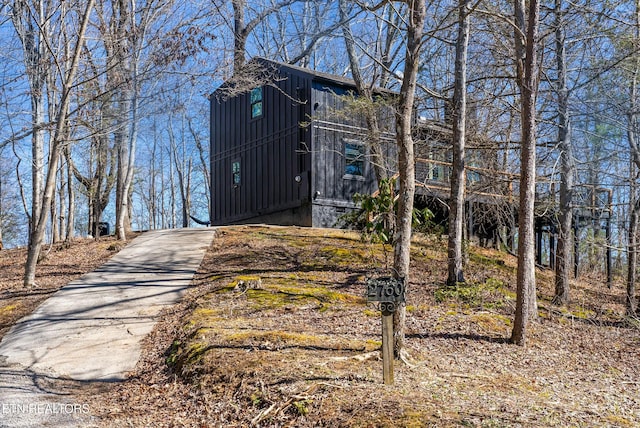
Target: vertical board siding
267,148
292,138
332,125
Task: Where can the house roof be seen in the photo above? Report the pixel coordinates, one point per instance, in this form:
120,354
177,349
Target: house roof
258,66
294,69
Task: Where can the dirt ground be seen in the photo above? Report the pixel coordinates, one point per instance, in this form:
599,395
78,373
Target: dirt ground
275,331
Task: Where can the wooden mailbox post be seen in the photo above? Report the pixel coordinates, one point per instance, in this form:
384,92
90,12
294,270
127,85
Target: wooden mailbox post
389,292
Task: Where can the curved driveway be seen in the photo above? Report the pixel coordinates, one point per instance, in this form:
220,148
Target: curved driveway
91,329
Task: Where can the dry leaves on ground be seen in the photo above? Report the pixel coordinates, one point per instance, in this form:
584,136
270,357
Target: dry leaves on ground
275,332
60,264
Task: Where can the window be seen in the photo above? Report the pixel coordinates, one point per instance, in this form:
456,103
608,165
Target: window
472,176
256,103
436,169
354,156
436,172
235,170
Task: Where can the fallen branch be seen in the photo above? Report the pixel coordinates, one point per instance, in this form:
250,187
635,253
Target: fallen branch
360,357
306,395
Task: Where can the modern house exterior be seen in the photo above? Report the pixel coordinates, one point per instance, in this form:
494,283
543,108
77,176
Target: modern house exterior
289,148
285,150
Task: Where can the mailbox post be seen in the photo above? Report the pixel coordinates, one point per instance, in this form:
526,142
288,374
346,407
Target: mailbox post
389,292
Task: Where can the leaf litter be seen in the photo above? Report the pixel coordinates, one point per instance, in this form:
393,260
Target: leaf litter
275,332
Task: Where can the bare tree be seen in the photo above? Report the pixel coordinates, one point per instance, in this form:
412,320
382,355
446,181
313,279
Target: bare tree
33,29
416,15
71,208
458,181
365,91
123,45
58,140
567,166
202,155
526,41
243,28
183,170
99,183
634,200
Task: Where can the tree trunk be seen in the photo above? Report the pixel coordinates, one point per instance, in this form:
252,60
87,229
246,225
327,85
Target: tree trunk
59,135
184,179
62,198
632,263
567,169
634,200
203,163
172,191
32,36
55,231
152,185
458,182
406,160
377,158
186,198
70,235
162,209
526,304
239,35
126,160
126,137
1,213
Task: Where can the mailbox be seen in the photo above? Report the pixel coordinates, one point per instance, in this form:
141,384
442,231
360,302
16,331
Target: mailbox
103,229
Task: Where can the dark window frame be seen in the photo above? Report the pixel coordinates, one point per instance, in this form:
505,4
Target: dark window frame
354,159
236,173
256,98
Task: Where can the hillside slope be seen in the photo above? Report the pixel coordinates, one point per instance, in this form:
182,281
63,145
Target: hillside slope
276,332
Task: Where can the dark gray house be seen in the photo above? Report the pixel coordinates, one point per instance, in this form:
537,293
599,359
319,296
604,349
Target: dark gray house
285,149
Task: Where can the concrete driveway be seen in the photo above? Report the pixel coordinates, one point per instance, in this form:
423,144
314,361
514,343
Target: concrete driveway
91,330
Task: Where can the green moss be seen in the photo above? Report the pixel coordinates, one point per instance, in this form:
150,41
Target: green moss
465,292
321,293
181,356
412,418
279,339
494,323
9,308
582,313
244,278
272,299
486,261
488,294
373,344
276,293
172,353
204,313
342,256
371,312
302,406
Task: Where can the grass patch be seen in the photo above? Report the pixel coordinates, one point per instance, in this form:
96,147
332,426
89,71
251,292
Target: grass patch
488,294
7,309
492,323
488,260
